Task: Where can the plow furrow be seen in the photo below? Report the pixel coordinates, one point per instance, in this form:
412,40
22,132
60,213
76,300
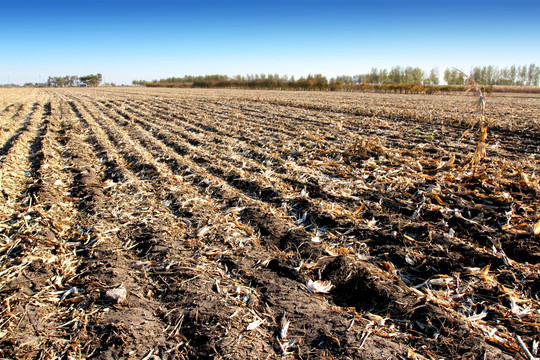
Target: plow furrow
183,223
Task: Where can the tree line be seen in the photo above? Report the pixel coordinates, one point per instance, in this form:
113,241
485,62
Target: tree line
524,75
397,79
258,81
70,80
396,75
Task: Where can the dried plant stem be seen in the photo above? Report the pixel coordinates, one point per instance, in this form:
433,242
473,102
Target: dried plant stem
523,347
480,151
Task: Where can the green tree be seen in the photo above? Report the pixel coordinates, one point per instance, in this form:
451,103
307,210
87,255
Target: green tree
395,75
373,77
533,75
433,78
513,74
417,75
453,77
91,80
522,75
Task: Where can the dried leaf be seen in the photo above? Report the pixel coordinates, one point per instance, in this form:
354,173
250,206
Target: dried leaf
418,166
440,281
389,266
448,164
304,195
518,229
377,319
203,231
524,178
284,328
319,286
536,230
255,324
411,354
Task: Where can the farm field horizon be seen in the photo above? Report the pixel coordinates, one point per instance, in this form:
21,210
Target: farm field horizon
205,223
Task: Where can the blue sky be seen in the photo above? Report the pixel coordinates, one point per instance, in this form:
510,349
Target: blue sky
128,40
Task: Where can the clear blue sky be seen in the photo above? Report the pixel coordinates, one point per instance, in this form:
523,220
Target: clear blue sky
127,40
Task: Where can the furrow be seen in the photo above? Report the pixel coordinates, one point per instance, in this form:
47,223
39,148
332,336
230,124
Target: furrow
15,164
10,133
104,204
41,245
213,209
214,177
459,249
296,175
300,208
247,153
295,240
275,231
166,250
254,181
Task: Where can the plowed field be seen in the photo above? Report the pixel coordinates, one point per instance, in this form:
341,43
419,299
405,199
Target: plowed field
170,224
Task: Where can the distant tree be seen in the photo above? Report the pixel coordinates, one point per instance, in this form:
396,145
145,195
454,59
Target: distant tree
395,75
62,81
453,77
504,77
91,80
73,80
513,74
336,84
433,78
373,77
85,79
384,77
416,75
533,75
476,73
522,75
292,82
346,79
139,82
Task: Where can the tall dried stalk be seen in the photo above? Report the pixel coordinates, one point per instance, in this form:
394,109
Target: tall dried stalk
480,106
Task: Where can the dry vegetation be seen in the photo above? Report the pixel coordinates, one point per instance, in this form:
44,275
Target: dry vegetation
181,223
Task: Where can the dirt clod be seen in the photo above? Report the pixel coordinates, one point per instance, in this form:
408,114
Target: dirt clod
117,296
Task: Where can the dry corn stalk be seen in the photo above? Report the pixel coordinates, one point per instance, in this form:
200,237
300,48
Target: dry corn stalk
480,151
480,106
366,147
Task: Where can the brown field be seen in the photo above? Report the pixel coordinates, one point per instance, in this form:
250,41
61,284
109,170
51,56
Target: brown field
178,223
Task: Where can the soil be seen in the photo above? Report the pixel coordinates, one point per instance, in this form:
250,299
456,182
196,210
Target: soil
267,224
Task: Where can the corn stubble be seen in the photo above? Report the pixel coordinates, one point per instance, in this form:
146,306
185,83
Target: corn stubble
479,109
144,223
